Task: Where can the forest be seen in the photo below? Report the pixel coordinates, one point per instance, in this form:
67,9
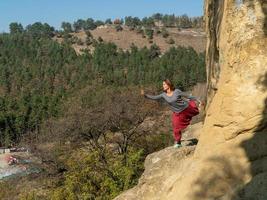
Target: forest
156,19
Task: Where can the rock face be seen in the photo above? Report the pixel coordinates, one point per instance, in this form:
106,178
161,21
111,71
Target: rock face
160,174
162,168
230,160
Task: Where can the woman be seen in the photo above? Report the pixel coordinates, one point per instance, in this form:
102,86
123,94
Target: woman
183,109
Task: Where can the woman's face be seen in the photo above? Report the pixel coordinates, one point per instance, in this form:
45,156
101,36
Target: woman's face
165,86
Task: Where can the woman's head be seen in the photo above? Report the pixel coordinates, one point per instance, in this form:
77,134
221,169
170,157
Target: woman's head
167,84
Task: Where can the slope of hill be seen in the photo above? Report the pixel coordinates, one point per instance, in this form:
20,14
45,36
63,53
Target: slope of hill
125,38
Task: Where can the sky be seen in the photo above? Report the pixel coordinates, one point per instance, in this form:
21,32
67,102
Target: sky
54,12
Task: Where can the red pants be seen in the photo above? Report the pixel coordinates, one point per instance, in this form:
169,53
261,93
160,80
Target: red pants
181,120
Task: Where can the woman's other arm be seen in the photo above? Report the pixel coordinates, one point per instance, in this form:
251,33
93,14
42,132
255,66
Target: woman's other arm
183,94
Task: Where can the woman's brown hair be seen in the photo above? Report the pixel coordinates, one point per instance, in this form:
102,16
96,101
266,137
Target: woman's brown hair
169,83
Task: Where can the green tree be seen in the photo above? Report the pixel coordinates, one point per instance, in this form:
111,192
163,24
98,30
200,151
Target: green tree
15,28
149,32
157,16
148,22
164,33
66,26
108,21
38,30
98,177
79,25
118,28
132,21
185,22
154,51
99,23
89,24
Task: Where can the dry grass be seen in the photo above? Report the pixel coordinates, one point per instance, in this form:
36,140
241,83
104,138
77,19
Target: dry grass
124,39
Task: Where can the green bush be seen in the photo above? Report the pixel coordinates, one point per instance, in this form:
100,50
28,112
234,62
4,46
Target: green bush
118,28
149,33
165,33
89,178
170,41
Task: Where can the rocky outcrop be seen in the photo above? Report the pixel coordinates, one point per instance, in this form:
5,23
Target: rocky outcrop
161,168
230,160
160,174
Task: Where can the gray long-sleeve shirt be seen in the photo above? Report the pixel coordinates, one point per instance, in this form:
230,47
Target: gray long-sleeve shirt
176,102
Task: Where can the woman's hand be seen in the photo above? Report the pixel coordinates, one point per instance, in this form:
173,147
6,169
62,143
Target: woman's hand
200,105
142,92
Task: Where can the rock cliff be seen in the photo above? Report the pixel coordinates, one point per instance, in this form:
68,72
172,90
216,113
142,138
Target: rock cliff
230,160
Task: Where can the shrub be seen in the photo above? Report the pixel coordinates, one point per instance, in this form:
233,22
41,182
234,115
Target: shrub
149,33
80,42
170,41
118,28
165,33
100,39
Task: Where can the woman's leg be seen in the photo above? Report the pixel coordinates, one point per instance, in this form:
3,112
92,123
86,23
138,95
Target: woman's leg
177,134
181,120
192,109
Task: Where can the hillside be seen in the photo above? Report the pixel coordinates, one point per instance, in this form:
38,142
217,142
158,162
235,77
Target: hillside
125,38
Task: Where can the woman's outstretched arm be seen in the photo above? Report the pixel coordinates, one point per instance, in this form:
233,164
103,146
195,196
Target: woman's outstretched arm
153,97
156,97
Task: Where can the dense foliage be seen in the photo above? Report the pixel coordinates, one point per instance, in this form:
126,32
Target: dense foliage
157,19
37,73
